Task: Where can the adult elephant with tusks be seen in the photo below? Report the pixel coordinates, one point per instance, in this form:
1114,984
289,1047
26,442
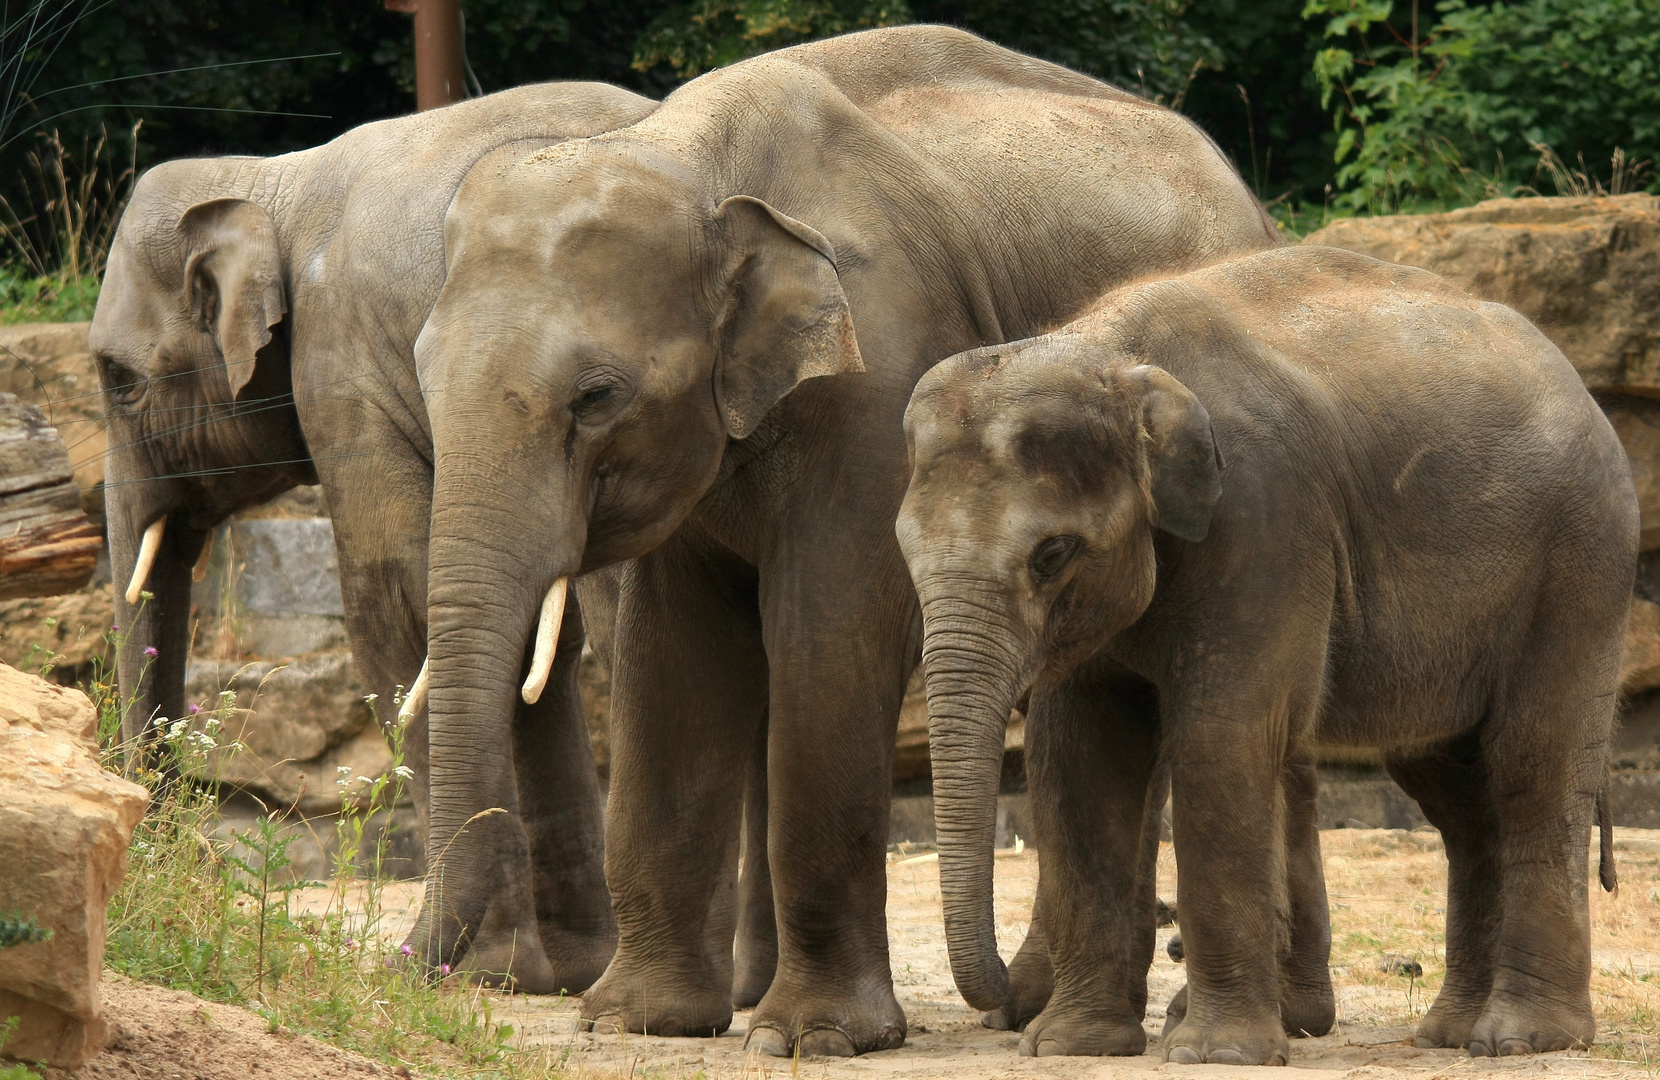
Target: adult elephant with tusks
1299,497
256,330
689,344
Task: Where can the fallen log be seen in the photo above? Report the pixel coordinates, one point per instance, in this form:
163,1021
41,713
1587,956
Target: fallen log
47,544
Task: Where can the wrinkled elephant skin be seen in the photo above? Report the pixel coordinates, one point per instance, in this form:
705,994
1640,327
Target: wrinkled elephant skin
256,330
1300,497
688,345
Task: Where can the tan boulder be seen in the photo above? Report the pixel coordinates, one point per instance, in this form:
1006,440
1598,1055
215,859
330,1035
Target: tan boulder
65,824
51,366
1640,669
1585,270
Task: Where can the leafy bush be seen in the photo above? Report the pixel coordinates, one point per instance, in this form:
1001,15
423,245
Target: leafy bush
1476,104
695,37
53,298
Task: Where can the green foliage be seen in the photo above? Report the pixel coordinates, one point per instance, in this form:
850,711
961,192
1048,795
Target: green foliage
8,1028
694,37
1143,45
16,930
53,298
1476,104
217,913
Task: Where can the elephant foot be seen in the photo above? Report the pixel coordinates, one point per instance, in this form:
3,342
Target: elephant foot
1174,1014
1031,982
513,962
578,960
1072,1031
1531,1026
655,1002
860,1020
752,976
1308,1009
1449,1021
1195,1043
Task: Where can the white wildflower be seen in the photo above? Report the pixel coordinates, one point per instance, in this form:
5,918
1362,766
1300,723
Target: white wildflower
343,770
404,772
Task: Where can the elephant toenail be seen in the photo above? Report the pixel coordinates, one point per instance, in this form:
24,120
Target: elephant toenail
1510,1047
1227,1057
827,1042
1183,1055
1051,1048
1025,1048
997,1020
769,1041
1478,1048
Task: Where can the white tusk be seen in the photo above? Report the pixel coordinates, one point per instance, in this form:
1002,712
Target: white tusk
416,697
547,637
147,549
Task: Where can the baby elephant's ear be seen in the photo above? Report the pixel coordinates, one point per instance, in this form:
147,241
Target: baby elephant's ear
1183,465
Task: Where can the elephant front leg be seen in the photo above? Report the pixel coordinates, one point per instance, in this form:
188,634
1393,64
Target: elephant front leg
687,696
1308,1006
838,675
1225,786
1092,749
559,800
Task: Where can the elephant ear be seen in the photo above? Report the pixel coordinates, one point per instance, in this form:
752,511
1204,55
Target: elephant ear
786,317
233,280
1184,467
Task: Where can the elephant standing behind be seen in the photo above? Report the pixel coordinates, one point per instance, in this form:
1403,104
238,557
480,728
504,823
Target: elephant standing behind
255,331
689,344
1304,496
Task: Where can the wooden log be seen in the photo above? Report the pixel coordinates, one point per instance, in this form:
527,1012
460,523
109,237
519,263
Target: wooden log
47,545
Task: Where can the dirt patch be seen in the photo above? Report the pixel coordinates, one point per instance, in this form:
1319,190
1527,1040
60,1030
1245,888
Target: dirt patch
1387,890
166,1035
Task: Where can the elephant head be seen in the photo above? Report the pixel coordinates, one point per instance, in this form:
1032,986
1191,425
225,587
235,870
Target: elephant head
1040,474
607,324
192,353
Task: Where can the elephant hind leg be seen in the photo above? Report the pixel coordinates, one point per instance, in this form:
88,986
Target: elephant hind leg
1451,787
1308,1005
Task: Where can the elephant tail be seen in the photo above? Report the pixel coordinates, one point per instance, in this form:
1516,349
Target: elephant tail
1606,872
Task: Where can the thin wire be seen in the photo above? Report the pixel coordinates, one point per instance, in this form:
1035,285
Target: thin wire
176,71
183,108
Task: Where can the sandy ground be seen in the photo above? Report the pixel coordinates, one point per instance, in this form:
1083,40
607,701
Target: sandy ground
1386,887
1387,893
165,1035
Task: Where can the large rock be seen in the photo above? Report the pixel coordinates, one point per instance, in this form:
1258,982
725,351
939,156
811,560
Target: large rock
298,722
65,824
1585,270
50,365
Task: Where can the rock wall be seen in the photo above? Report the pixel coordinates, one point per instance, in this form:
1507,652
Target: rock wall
65,824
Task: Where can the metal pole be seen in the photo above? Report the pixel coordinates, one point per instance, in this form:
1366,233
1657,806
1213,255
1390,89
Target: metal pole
438,72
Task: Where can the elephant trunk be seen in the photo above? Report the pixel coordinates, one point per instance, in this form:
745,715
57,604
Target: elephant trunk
154,633
487,594
971,683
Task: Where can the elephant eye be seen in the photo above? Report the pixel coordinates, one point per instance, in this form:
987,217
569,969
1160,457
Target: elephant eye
1050,556
598,394
121,383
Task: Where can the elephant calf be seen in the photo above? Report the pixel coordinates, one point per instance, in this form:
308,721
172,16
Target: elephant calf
1300,496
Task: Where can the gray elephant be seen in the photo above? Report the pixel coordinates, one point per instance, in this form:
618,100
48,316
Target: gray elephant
689,344
1301,496
255,331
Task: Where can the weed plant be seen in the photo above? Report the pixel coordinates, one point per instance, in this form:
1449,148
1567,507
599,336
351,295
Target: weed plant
212,913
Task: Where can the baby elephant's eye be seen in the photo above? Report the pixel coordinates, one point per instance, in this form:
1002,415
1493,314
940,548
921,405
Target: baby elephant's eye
1050,556
594,397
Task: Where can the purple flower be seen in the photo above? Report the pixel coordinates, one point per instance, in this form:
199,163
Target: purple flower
443,969
388,961
150,651
194,708
114,629
406,950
